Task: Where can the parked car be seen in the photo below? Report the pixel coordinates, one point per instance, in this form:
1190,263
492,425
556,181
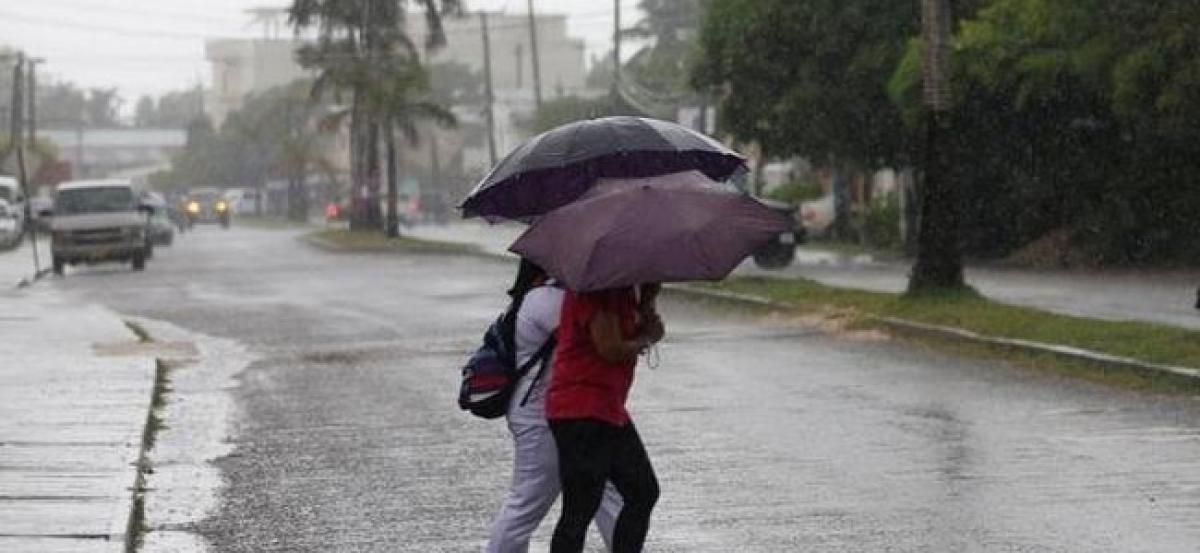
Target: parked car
207,205
10,192
780,251
98,221
161,229
10,231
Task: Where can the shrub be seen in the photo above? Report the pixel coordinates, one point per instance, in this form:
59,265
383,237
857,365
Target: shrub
796,191
881,223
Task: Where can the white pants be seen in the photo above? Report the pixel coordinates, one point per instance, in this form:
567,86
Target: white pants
535,487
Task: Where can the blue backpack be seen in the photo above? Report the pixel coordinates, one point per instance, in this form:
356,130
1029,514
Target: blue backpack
491,374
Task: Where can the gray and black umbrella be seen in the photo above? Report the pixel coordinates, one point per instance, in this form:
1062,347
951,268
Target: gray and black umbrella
559,165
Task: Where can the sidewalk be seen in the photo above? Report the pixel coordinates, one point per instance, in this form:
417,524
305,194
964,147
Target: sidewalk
1164,297
17,264
73,408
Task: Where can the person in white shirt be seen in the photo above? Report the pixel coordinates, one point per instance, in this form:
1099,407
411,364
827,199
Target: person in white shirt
535,482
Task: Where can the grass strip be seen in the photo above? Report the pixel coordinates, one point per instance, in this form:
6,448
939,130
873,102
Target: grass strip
138,527
966,309
375,241
269,222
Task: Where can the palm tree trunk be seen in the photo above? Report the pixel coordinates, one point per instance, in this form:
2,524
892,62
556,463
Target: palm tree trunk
358,181
374,213
393,216
939,258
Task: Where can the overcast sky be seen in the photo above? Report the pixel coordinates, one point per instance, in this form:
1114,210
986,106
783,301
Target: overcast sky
155,46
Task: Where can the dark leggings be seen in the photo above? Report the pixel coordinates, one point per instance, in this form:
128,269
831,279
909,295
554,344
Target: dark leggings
591,452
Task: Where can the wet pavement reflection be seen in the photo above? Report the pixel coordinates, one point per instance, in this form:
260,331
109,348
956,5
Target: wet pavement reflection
768,432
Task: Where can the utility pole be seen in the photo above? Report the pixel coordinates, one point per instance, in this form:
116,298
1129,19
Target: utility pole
519,56
616,81
533,52
33,99
16,107
489,98
16,133
939,257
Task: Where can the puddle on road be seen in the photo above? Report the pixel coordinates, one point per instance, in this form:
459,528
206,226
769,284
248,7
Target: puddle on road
166,350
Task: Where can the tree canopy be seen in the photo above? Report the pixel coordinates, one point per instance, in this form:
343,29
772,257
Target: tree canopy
1071,119
808,78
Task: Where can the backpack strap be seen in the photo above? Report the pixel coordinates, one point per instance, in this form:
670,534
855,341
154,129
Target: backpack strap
542,355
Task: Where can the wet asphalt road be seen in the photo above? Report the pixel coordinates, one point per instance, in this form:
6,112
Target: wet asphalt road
767,433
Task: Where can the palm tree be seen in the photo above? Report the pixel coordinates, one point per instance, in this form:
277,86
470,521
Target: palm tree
400,102
358,42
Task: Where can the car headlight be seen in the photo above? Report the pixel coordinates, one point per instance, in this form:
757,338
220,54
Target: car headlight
221,206
193,207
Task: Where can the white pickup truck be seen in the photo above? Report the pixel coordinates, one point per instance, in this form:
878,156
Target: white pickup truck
98,221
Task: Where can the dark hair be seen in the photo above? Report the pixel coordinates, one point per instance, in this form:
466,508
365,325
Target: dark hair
529,275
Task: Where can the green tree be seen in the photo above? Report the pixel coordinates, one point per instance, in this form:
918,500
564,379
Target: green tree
401,100
560,111
1078,117
102,106
171,110
275,134
808,78
60,104
659,71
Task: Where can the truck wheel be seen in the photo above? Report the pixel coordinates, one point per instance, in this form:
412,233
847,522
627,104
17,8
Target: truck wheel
58,264
139,261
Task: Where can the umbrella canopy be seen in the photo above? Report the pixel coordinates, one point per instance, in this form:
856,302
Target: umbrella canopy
557,166
647,234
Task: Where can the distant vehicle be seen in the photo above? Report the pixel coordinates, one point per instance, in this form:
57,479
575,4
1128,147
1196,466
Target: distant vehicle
10,191
781,251
207,205
818,215
99,221
161,229
242,201
10,231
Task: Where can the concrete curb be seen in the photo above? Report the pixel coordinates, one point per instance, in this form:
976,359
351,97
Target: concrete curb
311,239
1030,346
937,331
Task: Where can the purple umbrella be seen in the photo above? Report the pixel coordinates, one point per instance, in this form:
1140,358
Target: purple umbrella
558,166
640,234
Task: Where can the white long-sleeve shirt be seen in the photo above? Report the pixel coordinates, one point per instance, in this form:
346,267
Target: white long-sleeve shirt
536,322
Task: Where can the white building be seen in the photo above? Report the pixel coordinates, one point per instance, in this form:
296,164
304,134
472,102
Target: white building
241,67
561,61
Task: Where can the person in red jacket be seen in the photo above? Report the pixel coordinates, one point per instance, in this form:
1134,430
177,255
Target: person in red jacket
600,335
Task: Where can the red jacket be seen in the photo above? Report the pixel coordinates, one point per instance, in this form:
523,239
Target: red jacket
584,385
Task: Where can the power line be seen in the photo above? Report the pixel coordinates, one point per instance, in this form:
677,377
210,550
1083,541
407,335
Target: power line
59,23
107,7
